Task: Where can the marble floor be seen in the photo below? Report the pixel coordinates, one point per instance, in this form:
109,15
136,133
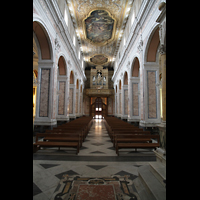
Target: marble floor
96,158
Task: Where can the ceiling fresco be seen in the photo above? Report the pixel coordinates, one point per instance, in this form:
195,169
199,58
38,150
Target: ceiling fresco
99,26
99,59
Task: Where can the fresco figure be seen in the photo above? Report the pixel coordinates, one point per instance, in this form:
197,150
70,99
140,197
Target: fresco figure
99,59
99,26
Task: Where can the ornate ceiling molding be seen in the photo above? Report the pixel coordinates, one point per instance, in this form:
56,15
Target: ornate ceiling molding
118,10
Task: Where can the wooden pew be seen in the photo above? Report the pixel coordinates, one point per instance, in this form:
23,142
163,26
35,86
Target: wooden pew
68,130
68,137
136,138
128,135
124,138
62,141
128,132
80,125
70,134
140,144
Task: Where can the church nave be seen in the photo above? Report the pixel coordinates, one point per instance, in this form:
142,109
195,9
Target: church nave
97,158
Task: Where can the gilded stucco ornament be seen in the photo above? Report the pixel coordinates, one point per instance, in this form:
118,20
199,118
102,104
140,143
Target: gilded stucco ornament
108,45
57,43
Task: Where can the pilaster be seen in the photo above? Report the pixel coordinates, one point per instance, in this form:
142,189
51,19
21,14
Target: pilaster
45,93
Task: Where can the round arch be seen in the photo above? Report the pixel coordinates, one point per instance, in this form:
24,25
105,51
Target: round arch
71,77
62,66
152,44
120,85
125,78
43,41
77,84
135,67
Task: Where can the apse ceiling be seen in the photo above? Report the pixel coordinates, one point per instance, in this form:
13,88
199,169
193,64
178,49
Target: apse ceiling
99,25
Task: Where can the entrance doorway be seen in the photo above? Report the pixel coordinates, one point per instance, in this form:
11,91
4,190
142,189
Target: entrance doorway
99,109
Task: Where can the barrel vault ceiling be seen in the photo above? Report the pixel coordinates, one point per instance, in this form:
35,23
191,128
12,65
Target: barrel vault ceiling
99,25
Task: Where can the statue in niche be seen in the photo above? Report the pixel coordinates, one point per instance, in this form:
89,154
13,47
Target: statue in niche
99,77
104,80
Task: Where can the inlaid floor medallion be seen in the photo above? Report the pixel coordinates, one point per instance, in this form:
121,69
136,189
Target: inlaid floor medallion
116,187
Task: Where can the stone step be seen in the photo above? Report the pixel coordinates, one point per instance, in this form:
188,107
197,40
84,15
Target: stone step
159,171
160,155
152,184
143,193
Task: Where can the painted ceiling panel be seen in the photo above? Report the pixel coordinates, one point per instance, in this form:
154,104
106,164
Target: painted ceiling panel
99,24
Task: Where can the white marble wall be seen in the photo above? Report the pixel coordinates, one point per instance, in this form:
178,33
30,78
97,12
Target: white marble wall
52,103
143,94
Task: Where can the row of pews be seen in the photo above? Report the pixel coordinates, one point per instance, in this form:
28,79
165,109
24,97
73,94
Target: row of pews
125,135
71,134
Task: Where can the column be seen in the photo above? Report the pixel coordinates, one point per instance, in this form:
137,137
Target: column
163,70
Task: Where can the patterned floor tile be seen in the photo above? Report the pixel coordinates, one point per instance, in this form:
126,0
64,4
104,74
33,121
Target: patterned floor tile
70,172
97,167
137,165
36,189
97,152
97,144
46,166
122,173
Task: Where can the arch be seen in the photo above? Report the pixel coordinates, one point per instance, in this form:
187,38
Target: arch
62,66
147,42
77,84
71,78
116,88
43,40
120,84
152,44
125,78
135,67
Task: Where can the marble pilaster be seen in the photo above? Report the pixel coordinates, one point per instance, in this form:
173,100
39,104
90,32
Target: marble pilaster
163,69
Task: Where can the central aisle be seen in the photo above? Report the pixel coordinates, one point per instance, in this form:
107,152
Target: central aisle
97,158
97,142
